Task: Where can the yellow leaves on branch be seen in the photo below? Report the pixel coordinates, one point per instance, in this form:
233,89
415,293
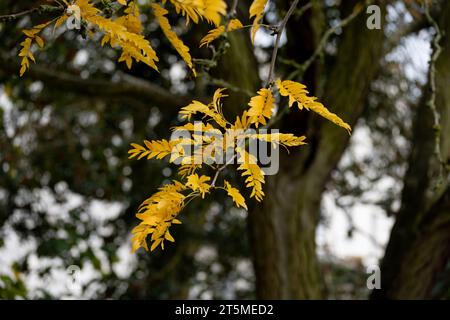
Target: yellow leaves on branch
152,149
176,42
196,10
160,211
212,110
297,93
234,193
215,135
242,122
188,169
25,52
133,45
213,10
257,11
261,107
283,139
157,214
191,9
253,173
255,179
87,9
213,34
131,20
198,184
126,31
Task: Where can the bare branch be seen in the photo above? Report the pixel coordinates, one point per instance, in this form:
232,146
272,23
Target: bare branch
301,68
43,9
231,14
126,86
279,32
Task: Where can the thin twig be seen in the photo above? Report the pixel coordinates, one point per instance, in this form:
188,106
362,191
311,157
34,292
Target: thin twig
40,10
213,183
14,16
279,32
228,85
297,14
301,68
231,14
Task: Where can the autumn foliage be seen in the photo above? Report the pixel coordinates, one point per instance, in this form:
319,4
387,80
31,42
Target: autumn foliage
212,134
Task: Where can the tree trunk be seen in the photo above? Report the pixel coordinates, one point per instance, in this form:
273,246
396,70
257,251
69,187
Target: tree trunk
282,228
419,248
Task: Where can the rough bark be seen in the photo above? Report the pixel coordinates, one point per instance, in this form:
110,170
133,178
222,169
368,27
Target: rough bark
419,247
282,228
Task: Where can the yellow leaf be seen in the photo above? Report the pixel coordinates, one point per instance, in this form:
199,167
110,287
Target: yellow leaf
213,110
131,21
29,33
30,55
168,236
284,139
242,122
87,10
191,9
39,41
235,195
23,69
257,10
261,107
60,21
140,234
188,169
176,42
153,149
25,52
198,183
156,243
213,10
122,2
157,214
125,34
195,10
254,174
297,93
217,32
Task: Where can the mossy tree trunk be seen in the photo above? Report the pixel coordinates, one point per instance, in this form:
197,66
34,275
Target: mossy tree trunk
283,227
419,248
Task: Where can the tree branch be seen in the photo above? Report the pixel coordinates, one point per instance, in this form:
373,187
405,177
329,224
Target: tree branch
126,86
43,9
301,68
279,32
231,14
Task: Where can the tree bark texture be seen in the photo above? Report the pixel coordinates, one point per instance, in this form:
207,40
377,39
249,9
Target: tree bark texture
419,247
283,227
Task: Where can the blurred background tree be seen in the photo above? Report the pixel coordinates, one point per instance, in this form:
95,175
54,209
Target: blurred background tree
68,193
